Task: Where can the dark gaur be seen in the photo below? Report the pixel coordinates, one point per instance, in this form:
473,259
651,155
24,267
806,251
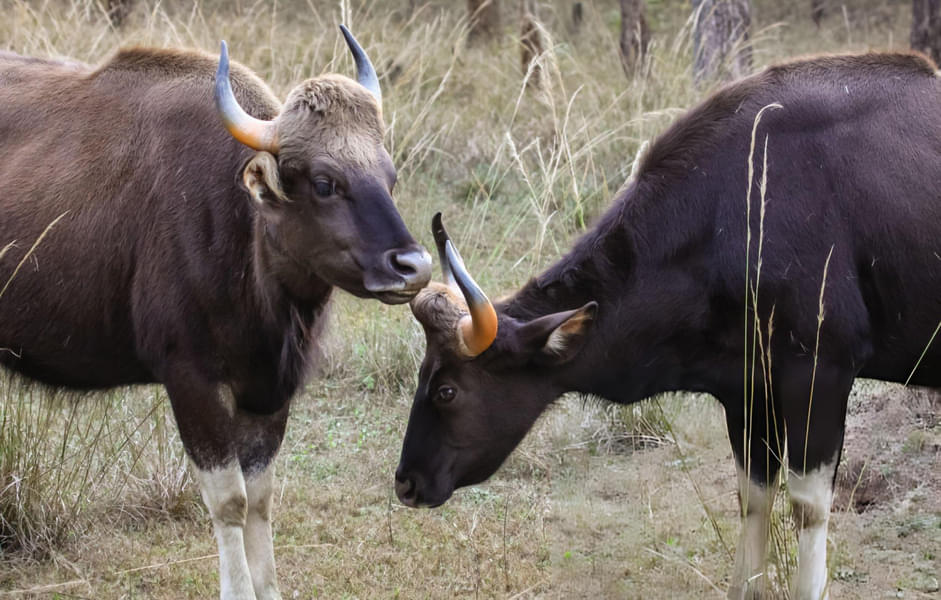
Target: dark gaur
651,298
193,256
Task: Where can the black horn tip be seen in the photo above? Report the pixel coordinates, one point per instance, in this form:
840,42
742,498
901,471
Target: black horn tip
365,72
438,231
350,40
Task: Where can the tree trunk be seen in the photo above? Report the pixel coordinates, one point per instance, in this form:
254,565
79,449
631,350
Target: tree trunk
926,27
635,35
817,11
484,18
720,39
532,46
578,16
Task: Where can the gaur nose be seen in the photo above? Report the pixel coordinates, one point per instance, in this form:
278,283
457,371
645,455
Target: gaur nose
414,266
406,490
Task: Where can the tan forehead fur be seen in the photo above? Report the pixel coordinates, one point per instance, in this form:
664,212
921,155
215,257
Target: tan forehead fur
335,115
439,308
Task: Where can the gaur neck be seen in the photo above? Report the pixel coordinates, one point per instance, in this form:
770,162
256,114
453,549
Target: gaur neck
576,279
648,327
293,304
281,277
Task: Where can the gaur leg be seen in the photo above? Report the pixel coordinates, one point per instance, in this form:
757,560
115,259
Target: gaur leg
207,423
261,435
813,454
223,491
811,495
755,444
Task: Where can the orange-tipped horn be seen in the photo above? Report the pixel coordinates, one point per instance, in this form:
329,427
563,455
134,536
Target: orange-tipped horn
254,133
478,330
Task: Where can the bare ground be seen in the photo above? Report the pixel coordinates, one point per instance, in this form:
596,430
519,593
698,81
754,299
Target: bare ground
663,522
576,513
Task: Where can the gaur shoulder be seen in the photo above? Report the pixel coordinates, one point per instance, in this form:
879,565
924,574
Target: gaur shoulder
157,65
872,63
675,150
165,62
140,64
172,63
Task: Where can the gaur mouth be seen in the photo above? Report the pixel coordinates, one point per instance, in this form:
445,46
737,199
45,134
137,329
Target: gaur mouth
420,503
393,292
409,491
394,296
436,502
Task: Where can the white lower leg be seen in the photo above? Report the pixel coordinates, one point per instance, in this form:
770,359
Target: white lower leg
223,491
258,544
749,579
811,495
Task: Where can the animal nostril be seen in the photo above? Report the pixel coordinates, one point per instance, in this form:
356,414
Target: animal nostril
414,266
405,488
403,264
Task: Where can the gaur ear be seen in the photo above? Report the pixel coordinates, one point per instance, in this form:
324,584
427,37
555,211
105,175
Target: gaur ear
558,337
261,180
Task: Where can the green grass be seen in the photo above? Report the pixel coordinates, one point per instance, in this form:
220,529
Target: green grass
599,501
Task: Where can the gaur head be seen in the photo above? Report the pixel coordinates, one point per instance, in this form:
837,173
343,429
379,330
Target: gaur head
322,181
484,381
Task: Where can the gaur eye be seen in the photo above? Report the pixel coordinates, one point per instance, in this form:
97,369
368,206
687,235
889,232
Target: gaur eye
324,187
446,394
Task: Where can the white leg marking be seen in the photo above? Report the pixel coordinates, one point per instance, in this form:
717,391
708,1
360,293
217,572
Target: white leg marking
811,495
749,579
223,491
258,544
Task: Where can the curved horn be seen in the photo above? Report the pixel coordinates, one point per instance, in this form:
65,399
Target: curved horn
254,133
365,73
478,330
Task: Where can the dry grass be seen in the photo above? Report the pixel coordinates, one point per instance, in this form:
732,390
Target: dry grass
598,502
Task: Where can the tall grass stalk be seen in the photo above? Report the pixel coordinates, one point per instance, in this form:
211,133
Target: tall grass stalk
923,353
752,287
62,454
813,376
29,252
758,353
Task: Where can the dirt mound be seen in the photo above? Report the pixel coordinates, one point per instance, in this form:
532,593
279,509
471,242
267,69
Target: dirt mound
892,445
